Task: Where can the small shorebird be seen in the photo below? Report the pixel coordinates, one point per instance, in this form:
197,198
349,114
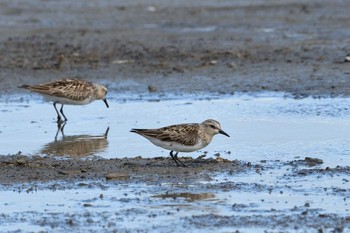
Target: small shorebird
69,91
183,137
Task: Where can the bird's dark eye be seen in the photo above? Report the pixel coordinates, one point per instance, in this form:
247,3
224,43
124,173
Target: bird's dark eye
212,126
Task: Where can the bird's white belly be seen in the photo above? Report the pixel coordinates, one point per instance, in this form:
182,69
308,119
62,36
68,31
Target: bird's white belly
176,146
66,100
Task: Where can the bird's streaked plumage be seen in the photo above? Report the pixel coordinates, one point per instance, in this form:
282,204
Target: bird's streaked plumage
183,137
69,91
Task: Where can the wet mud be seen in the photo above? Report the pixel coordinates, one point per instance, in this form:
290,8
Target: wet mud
179,47
27,169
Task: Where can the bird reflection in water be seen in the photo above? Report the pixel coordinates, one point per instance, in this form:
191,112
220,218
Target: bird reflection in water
75,145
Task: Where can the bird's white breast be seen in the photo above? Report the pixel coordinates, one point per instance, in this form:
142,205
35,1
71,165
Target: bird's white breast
68,101
177,146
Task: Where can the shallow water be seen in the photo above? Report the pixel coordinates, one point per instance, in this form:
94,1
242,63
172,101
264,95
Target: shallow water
264,127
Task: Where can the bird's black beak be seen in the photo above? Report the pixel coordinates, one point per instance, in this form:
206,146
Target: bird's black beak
223,132
105,100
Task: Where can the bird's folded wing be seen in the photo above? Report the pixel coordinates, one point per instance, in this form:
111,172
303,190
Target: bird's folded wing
180,134
68,88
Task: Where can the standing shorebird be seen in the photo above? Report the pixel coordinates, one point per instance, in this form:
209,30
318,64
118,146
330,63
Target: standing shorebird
69,91
183,137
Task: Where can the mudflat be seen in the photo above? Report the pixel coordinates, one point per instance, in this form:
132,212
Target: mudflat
179,46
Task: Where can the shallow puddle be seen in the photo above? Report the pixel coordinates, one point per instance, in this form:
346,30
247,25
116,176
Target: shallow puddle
268,131
264,127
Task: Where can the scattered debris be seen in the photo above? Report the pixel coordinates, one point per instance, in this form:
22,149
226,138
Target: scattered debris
347,58
122,62
313,161
221,160
213,62
201,156
117,176
152,88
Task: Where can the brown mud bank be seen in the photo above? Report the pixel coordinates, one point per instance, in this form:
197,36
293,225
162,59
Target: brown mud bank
179,47
18,169
25,168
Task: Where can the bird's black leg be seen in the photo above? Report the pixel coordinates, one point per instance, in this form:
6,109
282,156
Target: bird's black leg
175,156
172,156
60,128
61,110
58,115
106,133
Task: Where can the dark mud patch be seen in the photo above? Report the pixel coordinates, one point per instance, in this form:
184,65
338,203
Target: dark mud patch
23,169
19,169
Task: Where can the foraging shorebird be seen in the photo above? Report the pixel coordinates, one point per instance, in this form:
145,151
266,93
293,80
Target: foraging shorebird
183,137
69,91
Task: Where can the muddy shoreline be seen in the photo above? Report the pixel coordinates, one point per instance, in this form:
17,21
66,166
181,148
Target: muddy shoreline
25,174
26,168
184,47
20,168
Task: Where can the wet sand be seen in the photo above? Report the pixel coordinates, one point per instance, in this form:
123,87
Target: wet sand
177,47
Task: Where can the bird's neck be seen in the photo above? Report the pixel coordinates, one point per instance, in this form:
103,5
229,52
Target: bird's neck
206,139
